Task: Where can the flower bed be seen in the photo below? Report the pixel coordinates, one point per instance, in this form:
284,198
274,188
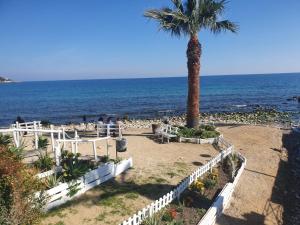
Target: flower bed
202,200
149,212
205,134
223,199
66,191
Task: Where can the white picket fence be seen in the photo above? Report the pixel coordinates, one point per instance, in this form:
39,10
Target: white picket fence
60,194
165,200
223,199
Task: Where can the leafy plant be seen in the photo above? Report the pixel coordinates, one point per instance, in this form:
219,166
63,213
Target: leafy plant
201,212
73,188
203,132
152,220
5,140
44,162
176,222
42,142
207,127
17,151
104,159
198,186
117,160
169,215
231,165
73,167
210,183
52,180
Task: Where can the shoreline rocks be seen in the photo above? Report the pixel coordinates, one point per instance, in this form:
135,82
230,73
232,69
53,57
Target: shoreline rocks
257,117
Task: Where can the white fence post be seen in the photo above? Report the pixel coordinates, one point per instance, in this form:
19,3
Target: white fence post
52,138
57,153
108,130
35,135
94,149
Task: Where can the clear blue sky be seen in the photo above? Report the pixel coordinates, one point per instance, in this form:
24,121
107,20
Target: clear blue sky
86,39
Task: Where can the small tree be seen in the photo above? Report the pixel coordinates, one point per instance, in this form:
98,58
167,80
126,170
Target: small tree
18,184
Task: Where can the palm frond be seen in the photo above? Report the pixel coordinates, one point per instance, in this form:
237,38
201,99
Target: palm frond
178,4
190,7
224,25
190,17
169,20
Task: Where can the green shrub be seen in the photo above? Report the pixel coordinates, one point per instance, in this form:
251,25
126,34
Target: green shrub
104,159
52,180
152,220
203,132
17,151
207,127
167,217
44,162
209,183
231,165
201,212
18,185
209,134
42,142
73,167
5,140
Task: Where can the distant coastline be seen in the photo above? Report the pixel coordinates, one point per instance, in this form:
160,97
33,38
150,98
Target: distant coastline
5,80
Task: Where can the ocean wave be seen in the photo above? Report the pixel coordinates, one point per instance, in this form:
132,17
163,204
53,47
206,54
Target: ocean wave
240,106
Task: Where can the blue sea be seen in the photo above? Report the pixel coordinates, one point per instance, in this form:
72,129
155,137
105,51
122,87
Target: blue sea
68,101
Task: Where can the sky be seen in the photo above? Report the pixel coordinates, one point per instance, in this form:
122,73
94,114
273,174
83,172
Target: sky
94,39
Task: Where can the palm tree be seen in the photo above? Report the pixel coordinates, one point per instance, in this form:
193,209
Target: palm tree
189,19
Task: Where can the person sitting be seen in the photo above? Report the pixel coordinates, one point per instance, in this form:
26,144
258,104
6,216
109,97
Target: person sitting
100,120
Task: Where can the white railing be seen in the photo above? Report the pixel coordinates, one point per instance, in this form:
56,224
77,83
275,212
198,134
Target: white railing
74,145
165,200
108,129
17,130
27,125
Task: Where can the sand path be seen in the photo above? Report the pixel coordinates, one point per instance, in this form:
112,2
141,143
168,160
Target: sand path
253,200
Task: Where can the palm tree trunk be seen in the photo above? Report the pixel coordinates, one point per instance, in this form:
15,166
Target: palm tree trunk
193,63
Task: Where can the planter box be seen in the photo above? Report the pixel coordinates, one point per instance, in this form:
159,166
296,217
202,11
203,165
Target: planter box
49,172
199,140
222,199
60,194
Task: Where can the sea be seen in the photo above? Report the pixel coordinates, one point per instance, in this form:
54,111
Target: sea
68,101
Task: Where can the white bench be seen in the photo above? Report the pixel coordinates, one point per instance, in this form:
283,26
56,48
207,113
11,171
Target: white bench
167,132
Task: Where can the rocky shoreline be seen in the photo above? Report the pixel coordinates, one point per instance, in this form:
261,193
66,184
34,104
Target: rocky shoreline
257,117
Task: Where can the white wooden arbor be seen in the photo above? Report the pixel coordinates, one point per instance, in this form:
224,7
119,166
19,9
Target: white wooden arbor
58,136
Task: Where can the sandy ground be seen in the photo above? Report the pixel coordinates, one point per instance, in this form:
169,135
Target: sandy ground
158,167
252,201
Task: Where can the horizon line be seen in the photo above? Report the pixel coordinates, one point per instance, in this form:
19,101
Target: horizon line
172,76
